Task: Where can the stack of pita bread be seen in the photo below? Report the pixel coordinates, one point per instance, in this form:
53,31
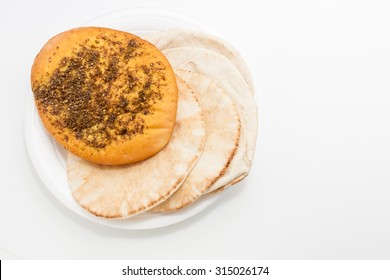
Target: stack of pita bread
212,145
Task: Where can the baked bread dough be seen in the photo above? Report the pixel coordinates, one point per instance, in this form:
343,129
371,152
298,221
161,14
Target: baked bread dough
222,126
107,96
178,38
119,192
220,70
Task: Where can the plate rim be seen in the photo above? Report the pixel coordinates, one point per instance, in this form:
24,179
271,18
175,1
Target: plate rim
153,12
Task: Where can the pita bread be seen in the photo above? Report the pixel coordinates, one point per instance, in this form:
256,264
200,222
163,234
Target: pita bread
220,70
122,191
176,37
222,125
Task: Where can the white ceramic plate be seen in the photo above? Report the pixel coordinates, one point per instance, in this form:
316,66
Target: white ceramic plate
146,20
49,159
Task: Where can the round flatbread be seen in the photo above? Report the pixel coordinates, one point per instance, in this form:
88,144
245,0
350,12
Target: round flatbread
105,95
118,192
176,37
220,70
222,125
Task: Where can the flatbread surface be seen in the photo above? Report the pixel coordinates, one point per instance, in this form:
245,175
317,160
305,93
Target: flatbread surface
177,37
222,125
105,95
118,192
220,70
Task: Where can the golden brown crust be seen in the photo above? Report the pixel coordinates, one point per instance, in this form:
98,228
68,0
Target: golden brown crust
106,95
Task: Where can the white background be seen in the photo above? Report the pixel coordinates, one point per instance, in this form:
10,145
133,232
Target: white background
320,183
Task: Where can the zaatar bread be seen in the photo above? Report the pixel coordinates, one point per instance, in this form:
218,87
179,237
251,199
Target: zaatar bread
107,96
222,125
177,37
220,70
118,192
